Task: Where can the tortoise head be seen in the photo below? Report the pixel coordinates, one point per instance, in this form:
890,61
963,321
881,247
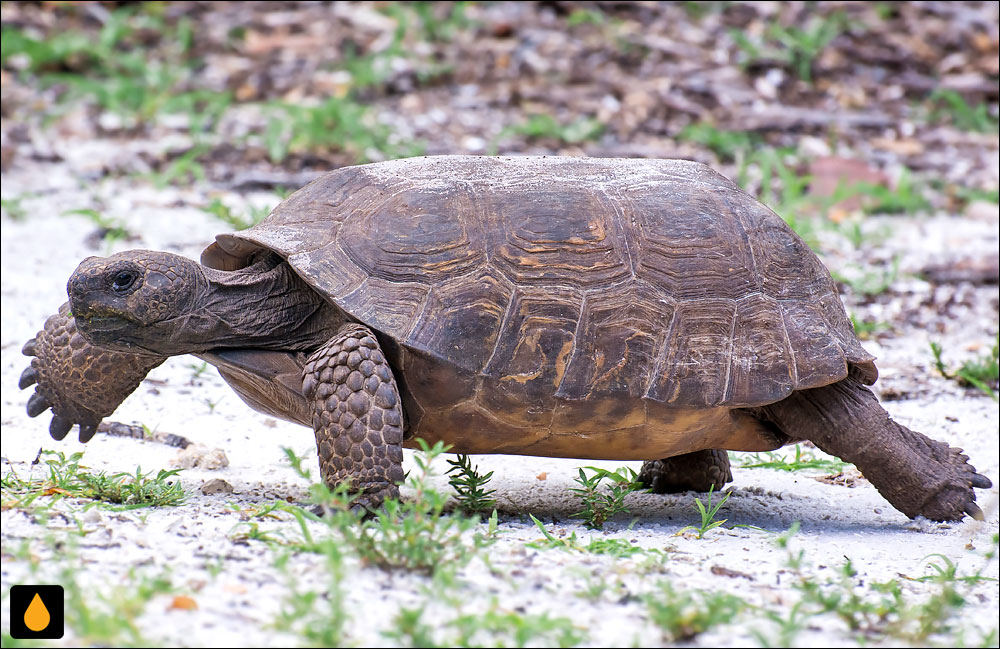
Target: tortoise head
135,300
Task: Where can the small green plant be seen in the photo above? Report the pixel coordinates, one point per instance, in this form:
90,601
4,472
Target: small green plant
585,16
109,617
801,460
728,145
469,486
493,628
138,66
184,169
682,615
708,513
611,546
598,504
224,213
412,534
545,126
869,282
338,124
197,369
110,230
68,479
793,46
14,209
944,570
951,106
790,201
873,610
866,329
906,197
319,618
982,372
969,194
135,490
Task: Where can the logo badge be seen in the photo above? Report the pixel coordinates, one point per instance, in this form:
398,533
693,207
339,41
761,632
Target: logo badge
36,612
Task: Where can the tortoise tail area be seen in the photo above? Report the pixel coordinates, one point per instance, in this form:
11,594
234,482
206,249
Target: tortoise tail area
917,475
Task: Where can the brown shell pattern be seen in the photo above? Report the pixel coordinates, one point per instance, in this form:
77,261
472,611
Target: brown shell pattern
574,277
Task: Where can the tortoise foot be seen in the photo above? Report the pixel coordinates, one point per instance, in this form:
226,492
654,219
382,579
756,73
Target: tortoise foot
950,495
698,471
82,383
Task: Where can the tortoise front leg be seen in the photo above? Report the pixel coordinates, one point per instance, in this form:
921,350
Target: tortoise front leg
82,383
357,415
698,471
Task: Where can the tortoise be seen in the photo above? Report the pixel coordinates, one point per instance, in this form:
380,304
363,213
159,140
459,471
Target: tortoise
623,309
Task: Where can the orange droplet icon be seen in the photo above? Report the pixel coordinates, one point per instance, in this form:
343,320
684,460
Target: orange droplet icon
36,617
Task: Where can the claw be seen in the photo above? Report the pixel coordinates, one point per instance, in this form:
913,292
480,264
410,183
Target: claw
59,427
28,377
87,433
980,481
972,509
29,348
37,405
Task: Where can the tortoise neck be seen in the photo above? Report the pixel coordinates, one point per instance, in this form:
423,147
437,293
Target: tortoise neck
263,306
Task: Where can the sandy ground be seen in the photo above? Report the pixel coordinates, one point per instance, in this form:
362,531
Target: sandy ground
239,591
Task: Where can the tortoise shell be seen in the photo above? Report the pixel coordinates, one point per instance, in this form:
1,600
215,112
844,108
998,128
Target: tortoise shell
517,289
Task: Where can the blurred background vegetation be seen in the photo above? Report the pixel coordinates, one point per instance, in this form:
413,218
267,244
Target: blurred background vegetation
827,111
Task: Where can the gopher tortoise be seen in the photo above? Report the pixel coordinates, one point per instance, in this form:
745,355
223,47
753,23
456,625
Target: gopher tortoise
565,307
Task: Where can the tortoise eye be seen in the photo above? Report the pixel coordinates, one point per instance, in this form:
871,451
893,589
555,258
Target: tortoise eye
123,281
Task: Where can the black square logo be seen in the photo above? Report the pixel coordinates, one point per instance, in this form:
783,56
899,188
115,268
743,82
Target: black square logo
36,612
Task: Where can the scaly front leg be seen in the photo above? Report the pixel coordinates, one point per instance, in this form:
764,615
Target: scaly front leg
82,383
357,415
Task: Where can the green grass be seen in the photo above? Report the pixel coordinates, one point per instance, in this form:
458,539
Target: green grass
773,176
112,230
869,282
585,17
237,221
412,534
727,145
13,207
797,48
137,66
341,124
866,329
102,612
873,611
319,618
543,126
907,197
495,627
969,194
982,372
600,504
708,513
68,479
951,107
184,169
800,460
141,66
684,614
611,546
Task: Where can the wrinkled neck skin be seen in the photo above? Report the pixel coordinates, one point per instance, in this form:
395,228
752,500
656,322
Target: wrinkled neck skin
264,306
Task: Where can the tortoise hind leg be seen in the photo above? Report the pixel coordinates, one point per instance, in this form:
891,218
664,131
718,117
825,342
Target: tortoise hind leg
917,475
698,471
357,415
